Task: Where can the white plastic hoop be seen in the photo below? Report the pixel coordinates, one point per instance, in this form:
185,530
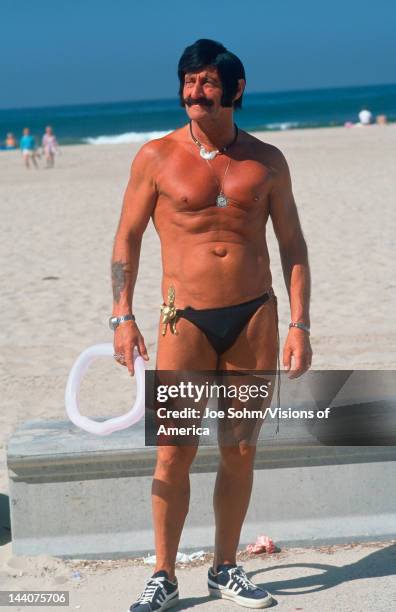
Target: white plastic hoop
76,375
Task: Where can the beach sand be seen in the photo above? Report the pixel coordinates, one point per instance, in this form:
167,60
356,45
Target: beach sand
338,578
57,231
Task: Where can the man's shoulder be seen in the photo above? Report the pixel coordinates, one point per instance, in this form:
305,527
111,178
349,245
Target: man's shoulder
158,147
262,147
268,154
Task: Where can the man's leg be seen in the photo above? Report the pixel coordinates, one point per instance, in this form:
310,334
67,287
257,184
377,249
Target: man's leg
188,350
255,349
170,501
231,499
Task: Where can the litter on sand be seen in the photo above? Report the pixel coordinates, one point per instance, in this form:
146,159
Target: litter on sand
262,544
180,557
76,575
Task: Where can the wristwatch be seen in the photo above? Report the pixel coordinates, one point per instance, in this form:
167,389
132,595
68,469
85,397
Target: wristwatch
115,321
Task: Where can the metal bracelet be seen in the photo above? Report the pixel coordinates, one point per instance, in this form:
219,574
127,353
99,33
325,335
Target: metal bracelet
128,317
300,326
114,322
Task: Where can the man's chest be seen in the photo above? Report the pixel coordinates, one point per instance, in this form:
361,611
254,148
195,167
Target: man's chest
193,184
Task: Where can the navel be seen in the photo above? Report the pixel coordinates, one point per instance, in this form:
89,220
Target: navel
220,251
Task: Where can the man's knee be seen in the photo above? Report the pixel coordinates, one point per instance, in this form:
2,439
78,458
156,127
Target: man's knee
238,458
175,460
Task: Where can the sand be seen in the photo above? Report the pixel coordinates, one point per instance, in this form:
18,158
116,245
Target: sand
56,238
343,578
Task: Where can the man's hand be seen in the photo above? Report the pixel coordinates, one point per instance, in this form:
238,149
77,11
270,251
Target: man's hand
297,354
126,337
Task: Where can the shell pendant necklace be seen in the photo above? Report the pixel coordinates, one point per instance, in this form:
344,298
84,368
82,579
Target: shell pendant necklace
221,198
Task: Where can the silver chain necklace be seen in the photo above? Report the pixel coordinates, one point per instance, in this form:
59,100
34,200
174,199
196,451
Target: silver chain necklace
204,153
208,156
221,198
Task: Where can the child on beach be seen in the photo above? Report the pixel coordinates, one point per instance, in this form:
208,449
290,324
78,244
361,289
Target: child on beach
50,146
28,148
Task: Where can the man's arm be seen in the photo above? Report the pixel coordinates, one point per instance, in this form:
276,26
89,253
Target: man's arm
294,257
139,201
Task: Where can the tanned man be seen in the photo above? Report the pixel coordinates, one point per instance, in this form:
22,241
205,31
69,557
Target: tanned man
210,189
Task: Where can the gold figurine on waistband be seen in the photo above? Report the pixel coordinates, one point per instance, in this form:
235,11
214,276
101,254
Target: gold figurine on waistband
168,312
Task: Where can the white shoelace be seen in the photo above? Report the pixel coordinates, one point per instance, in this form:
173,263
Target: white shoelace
239,576
149,590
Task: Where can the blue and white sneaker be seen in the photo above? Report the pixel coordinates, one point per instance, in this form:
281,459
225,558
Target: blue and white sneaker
231,582
158,594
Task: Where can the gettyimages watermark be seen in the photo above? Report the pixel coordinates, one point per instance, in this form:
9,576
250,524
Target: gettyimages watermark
338,407
244,393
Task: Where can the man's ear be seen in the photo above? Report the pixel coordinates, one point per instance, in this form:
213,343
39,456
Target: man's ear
240,90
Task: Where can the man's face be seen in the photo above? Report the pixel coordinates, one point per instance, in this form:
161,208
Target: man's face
202,92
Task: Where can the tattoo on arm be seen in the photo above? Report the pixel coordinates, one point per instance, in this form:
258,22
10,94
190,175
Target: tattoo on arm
118,278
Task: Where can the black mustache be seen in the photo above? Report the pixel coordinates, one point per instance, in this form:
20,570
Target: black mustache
201,101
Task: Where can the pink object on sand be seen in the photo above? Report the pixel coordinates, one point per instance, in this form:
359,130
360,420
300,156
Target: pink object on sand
262,544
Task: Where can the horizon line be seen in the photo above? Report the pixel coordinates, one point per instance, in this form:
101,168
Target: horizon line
103,103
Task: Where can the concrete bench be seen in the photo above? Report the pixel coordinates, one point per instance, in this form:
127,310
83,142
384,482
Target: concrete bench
73,494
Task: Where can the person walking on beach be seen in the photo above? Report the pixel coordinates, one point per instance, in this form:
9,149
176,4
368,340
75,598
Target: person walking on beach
210,189
28,148
50,146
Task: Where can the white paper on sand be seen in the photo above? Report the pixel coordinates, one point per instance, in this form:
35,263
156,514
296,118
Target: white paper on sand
180,557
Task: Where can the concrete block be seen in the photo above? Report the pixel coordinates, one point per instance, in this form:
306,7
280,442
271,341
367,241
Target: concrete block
73,494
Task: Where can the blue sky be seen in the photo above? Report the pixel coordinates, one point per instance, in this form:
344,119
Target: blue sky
72,51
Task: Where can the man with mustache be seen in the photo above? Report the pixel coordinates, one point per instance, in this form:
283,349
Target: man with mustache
210,189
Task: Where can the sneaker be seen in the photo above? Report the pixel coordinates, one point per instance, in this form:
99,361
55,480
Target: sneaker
231,582
158,594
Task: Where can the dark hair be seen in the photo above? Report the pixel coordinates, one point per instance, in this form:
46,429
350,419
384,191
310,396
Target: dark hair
205,52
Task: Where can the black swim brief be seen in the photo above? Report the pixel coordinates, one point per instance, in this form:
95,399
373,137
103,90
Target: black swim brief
222,326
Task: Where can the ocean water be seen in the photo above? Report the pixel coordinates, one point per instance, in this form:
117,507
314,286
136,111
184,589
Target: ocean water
140,121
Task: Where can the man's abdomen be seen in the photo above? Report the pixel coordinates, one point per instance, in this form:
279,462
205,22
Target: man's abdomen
214,274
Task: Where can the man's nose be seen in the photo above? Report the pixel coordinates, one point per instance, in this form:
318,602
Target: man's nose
197,91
